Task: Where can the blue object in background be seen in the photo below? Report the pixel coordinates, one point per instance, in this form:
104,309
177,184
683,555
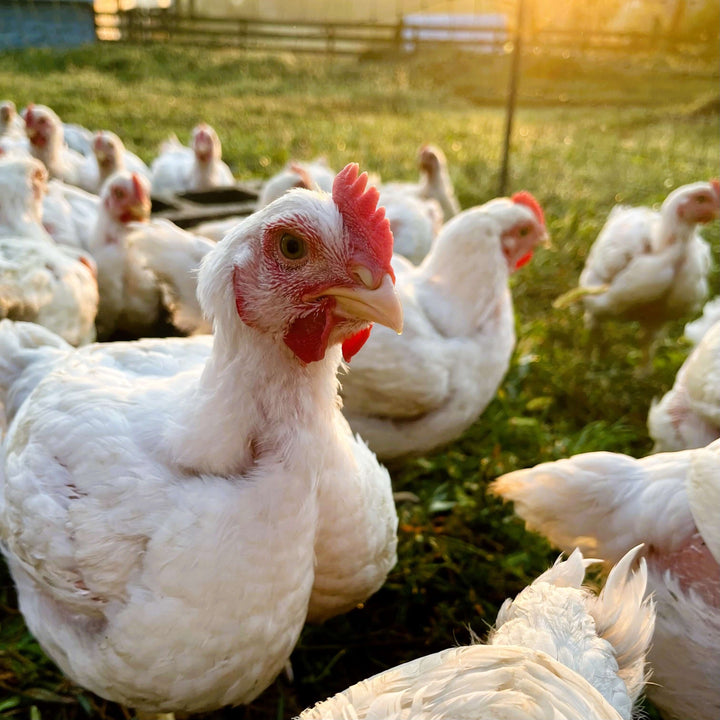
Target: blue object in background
46,23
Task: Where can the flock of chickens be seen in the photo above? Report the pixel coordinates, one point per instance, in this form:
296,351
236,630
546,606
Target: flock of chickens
175,509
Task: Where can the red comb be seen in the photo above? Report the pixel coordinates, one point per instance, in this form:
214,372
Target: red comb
138,187
525,198
716,185
28,113
358,205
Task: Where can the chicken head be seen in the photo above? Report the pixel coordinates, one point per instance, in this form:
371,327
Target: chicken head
206,143
525,231
699,202
126,197
431,160
42,125
107,148
310,268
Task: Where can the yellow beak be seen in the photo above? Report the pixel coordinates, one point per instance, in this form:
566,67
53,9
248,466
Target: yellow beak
380,304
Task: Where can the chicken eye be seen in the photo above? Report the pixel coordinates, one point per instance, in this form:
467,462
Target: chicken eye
701,199
524,231
293,248
118,193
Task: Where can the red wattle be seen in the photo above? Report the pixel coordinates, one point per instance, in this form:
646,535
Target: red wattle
353,344
524,260
308,335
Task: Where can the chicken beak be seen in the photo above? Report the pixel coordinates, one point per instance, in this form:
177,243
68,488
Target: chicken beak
380,304
139,211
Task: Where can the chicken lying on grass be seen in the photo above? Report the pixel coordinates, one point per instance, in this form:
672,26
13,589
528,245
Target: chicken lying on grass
179,168
147,269
649,266
173,510
688,415
413,393
557,651
604,503
41,281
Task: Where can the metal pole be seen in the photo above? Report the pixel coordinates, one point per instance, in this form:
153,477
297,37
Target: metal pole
512,93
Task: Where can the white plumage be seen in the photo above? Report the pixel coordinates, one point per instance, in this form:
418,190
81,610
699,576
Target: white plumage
412,393
12,129
173,255
604,503
651,266
696,329
173,510
70,214
41,281
179,168
557,651
311,175
415,222
688,415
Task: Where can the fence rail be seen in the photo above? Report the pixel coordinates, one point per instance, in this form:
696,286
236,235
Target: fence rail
355,38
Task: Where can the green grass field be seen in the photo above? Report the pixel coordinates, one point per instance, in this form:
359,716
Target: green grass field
586,135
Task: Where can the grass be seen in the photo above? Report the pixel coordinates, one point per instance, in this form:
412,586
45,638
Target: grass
587,135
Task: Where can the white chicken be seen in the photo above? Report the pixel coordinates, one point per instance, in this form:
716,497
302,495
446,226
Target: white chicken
146,268
604,503
417,210
412,393
434,183
650,266
146,489
696,329
557,651
688,415
47,143
197,168
41,281
111,156
311,175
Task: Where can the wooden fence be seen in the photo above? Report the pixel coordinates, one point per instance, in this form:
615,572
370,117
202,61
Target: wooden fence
157,26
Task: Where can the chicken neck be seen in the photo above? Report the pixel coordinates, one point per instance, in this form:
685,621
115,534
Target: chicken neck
252,396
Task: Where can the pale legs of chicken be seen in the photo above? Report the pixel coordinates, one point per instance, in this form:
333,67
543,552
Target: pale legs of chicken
140,715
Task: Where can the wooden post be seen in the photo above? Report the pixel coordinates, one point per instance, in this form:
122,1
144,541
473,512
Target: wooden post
512,93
